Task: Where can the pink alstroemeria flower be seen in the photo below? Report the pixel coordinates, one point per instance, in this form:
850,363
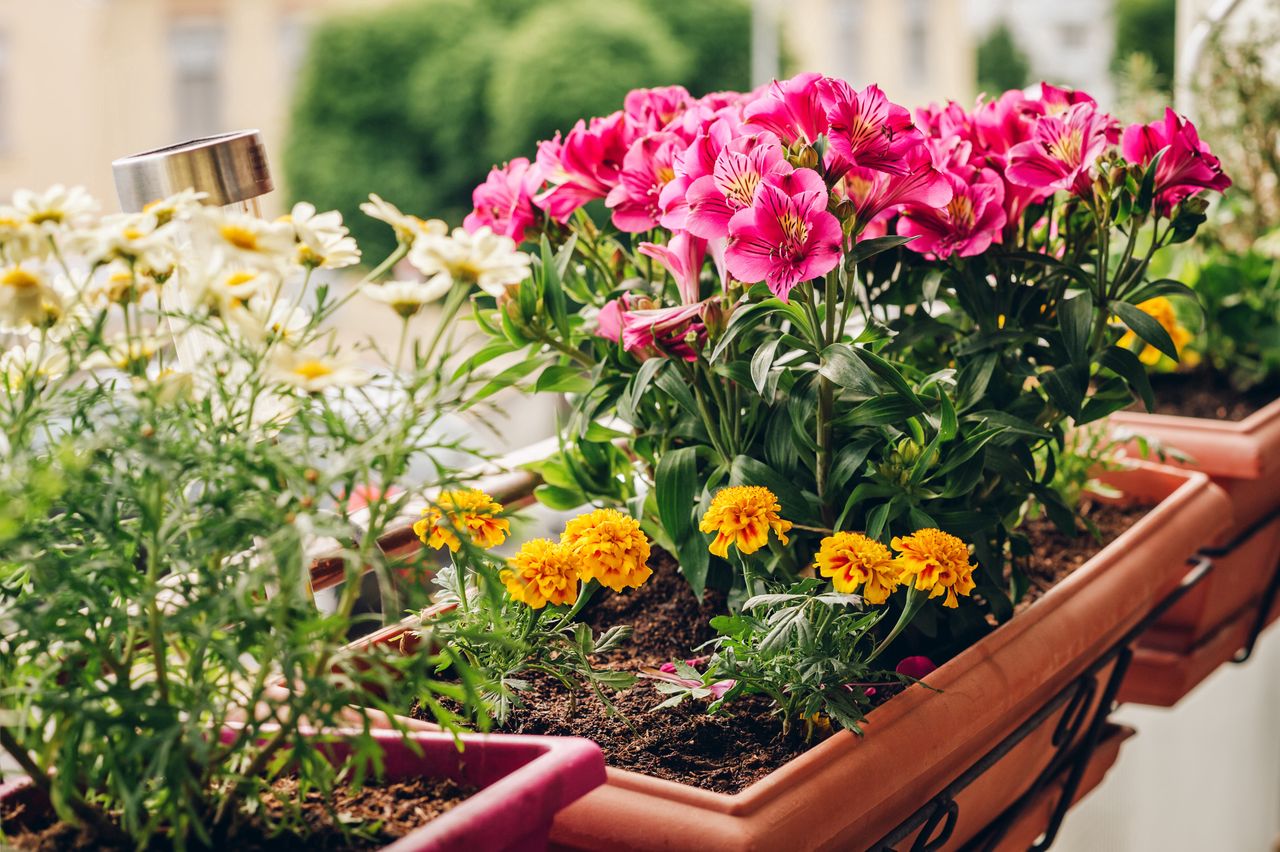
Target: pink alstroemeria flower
647,168
649,110
786,236
609,320
739,169
678,330
865,129
969,223
683,257
504,202
1187,166
873,192
585,166
791,109
1062,150
696,161
1056,100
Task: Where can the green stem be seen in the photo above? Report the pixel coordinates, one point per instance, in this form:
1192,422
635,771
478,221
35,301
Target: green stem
453,303
914,601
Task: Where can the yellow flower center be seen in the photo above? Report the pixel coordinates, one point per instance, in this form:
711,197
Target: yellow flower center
961,210
313,369
19,279
54,216
239,279
240,237
1068,148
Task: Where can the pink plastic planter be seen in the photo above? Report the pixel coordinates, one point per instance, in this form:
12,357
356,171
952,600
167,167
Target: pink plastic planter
1196,636
525,781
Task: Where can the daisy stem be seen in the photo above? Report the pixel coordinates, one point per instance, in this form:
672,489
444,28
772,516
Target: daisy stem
392,259
452,305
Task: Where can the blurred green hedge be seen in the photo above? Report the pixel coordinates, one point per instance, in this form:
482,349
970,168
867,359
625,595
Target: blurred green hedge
415,101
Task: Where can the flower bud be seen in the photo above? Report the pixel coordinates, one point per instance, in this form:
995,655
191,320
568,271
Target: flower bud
805,158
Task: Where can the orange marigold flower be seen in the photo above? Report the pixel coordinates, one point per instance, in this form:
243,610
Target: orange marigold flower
611,547
542,573
851,560
742,515
935,562
469,511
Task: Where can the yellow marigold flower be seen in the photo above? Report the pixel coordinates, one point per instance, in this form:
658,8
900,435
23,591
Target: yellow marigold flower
611,547
1160,309
742,515
935,562
851,560
470,511
543,572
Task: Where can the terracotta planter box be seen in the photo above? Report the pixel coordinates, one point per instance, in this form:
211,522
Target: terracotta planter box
524,781
921,740
1243,458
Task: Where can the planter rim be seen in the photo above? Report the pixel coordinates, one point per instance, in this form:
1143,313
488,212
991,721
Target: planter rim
1240,449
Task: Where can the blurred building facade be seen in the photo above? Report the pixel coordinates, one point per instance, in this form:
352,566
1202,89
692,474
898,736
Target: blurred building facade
918,51
83,82
1068,43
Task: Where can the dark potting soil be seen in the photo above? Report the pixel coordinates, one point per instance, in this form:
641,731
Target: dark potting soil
1208,395
742,743
1054,554
386,812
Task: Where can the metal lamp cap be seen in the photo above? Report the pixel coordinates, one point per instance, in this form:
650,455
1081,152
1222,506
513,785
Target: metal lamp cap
229,167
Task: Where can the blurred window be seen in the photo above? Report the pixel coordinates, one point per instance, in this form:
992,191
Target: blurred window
294,33
916,50
1073,35
849,39
197,49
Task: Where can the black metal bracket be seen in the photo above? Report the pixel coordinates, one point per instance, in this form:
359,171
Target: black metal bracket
1269,596
1075,737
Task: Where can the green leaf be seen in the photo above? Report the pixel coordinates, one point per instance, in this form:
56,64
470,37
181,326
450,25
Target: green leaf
1147,189
870,248
761,362
505,379
676,484
1075,317
948,426
553,293
880,411
1164,287
890,374
1066,386
496,349
1145,326
1126,365
599,433
674,386
562,378
878,519
555,497
841,366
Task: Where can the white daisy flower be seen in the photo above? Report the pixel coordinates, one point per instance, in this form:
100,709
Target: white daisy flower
127,353
314,373
483,258
180,205
28,296
323,241
406,298
408,228
132,237
21,364
227,289
247,240
261,317
56,208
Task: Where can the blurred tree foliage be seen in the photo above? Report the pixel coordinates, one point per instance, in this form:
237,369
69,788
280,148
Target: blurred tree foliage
417,100
1001,63
1147,26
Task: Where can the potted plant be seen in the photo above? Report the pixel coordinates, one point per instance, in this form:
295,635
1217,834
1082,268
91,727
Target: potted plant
160,516
824,341
493,792
1220,405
